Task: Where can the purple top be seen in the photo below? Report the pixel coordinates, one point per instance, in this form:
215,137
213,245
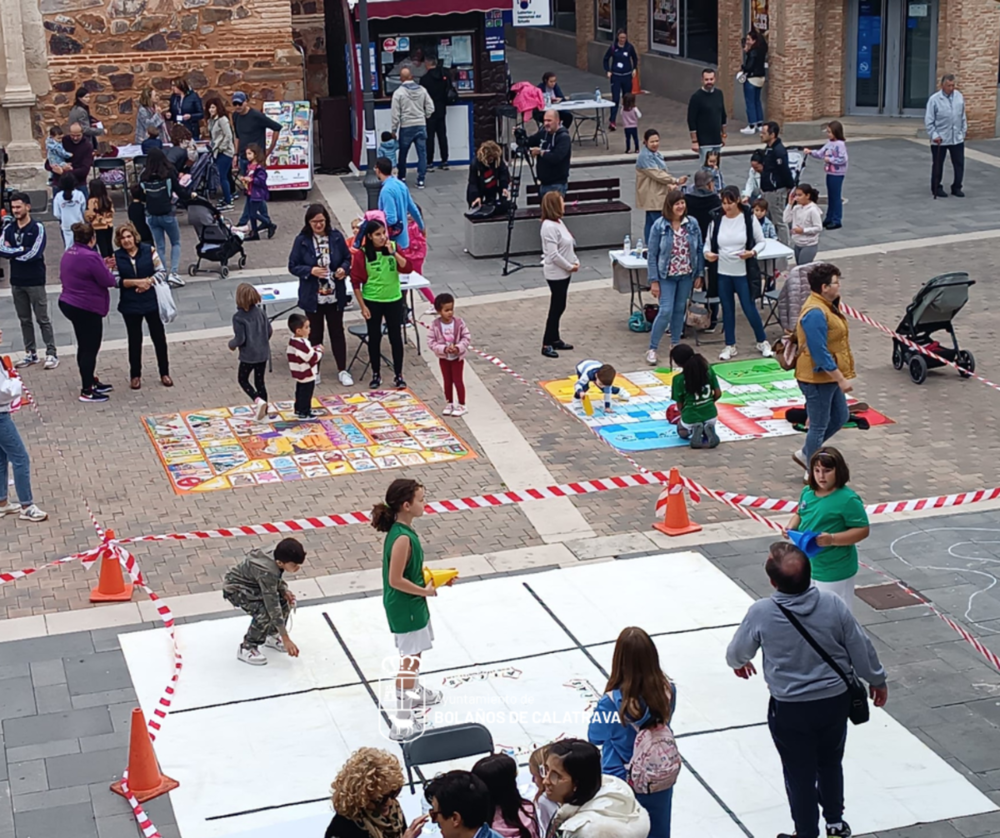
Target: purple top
85,280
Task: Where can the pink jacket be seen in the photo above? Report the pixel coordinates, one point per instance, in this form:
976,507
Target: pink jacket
501,827
437,341
416,253
527,98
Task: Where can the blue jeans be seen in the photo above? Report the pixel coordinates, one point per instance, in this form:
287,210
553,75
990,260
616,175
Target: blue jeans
826,407
651,216
552,187
162,226
755,110
12,451
224,163
619,85
658,806
737,286
835,199
674,293
417,136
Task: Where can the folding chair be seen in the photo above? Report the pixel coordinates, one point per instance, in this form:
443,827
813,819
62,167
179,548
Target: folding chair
113,171
360,331
770,299
703,298
441,744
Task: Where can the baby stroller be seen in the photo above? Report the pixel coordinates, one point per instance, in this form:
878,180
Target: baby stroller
932,310
796,163
217,241
205,176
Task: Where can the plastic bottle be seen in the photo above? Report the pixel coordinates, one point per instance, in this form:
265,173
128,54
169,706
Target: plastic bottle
638,246
597,94
627,246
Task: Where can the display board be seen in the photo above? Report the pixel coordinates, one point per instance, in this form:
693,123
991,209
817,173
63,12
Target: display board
291,164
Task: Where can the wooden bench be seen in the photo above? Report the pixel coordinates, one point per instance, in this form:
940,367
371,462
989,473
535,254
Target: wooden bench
595,215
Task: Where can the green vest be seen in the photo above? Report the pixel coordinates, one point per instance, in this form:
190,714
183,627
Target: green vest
405,612
382,285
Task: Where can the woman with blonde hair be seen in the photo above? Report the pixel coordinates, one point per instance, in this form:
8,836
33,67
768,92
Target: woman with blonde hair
365,798
147,116
559,263
489,179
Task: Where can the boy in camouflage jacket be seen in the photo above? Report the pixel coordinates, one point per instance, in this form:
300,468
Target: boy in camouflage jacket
256,585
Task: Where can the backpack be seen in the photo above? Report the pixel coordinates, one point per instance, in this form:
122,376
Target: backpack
637,322
655,762
158,197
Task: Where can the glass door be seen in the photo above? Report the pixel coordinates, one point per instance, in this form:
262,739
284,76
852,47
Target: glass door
919,56
868,95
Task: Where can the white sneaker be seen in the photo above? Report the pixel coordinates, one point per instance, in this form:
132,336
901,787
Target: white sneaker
651,358
275,642
449,409
805,478
765,349
26,361
403,730
33,513
748,130
727,353
261,409
175,281
800,458
251,655
345,378
419,696
51,362
459,410
10,508
431,312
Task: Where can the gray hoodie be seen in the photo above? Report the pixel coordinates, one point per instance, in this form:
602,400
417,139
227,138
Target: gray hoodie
412,106
792,669
251,335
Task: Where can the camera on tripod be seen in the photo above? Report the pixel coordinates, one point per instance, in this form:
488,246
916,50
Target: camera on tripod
520,146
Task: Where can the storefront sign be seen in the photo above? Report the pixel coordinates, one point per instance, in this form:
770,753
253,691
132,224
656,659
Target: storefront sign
371,58
918,9
666,26
604,20
532,13
495,44
403,44
389,45
759,15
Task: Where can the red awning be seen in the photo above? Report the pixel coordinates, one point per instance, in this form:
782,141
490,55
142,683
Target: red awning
378,9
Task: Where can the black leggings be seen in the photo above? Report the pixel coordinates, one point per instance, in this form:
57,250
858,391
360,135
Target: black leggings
334,319
557,305
105,242
258,390
89,330
133,325
393,314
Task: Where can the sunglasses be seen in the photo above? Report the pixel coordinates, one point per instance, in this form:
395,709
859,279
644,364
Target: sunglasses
392,795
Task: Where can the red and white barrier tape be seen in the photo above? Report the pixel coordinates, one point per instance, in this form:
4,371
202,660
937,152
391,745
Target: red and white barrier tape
923,350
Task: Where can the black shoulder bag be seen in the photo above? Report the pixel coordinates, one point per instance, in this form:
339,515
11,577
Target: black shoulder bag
753,266
859,711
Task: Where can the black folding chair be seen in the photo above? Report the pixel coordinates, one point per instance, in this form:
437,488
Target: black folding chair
442,744
360,331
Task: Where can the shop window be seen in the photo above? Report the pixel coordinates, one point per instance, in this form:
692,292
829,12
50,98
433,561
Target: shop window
609,17
689,28
564,15
455,51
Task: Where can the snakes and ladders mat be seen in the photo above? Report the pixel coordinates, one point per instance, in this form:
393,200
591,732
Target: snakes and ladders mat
226,447
755,396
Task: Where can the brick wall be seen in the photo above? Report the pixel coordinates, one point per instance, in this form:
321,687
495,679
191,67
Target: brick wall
968,34
584,31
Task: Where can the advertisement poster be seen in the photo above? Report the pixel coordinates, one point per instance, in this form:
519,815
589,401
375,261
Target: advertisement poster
604,21
666,26
532,13
495,44
758,15
290,166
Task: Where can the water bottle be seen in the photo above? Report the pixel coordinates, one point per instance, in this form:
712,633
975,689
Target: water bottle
627,246
597,94
638,247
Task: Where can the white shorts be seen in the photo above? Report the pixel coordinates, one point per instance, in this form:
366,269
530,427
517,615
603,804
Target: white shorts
415,642
844,589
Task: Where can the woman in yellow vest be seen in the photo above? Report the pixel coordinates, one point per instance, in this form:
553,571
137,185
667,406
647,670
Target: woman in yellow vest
375,269
825,366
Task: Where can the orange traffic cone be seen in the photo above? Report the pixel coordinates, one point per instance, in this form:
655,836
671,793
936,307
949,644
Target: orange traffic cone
675,520
636,84
111,585
144,778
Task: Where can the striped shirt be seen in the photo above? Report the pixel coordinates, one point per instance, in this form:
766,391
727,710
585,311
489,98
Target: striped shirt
303,359
587,370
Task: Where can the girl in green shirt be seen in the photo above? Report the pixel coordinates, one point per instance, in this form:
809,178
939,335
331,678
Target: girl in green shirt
695,389
404,596
830,508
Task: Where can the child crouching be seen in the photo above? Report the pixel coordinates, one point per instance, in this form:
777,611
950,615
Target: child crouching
601,376
695,389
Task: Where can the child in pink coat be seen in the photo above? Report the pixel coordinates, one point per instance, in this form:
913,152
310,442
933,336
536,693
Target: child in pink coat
416,253
449,340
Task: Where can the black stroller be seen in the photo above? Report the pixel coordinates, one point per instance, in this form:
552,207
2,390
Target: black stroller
217,242
205,176
932,310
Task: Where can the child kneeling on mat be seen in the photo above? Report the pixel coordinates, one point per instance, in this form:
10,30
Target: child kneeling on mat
695,389
601,376
256,585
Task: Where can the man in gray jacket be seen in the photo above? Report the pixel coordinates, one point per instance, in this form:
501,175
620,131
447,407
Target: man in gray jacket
807,715
946,126
412,106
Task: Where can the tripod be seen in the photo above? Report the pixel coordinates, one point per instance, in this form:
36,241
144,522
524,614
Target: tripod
517,167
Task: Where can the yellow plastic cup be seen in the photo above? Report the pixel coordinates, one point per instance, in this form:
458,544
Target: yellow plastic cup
588,407
440,578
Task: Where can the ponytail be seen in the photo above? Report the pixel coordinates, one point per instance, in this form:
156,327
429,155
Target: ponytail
382,517
401,491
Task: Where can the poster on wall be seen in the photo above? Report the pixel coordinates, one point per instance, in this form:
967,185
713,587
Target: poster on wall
532,13
290,166
604,19
759,16
666,26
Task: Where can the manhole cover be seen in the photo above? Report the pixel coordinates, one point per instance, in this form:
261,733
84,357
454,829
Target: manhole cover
888,596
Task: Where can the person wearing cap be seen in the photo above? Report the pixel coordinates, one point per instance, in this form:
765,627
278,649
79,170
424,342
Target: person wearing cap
250,127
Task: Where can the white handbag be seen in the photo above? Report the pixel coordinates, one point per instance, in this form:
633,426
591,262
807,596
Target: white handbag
165,300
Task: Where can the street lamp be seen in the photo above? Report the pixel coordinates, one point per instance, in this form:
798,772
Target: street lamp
372,183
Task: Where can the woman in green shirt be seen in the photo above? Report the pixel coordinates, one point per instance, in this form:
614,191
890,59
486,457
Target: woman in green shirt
827,506
404,596
375,269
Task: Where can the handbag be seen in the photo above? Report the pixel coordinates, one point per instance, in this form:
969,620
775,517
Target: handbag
786,351
859,711
698,316
451,96
165,301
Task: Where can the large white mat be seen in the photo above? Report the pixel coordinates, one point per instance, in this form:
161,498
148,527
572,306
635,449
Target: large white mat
255,749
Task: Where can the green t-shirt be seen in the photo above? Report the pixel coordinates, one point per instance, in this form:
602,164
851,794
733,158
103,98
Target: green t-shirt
695,408
406,612
841,510
382,285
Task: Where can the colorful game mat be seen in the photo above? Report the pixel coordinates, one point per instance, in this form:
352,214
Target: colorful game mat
226,447
755,395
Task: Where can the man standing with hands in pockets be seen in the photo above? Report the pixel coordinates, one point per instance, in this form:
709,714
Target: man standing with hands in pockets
707,117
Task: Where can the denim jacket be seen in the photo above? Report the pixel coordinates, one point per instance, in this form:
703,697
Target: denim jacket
661,244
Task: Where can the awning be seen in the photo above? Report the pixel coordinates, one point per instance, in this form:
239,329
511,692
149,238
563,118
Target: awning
379,9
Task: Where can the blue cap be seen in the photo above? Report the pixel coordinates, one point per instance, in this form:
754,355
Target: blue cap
239,97
806,542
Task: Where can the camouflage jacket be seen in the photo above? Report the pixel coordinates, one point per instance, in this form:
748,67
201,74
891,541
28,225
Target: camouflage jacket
258,577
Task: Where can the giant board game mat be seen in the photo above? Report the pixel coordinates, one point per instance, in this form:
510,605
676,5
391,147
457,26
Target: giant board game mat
755,395
226,447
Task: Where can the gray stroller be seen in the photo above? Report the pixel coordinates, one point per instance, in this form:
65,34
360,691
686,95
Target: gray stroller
932,310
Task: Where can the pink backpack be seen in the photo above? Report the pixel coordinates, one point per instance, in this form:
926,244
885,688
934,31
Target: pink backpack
655,762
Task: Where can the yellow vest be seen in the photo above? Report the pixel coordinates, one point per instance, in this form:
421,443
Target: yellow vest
837,343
